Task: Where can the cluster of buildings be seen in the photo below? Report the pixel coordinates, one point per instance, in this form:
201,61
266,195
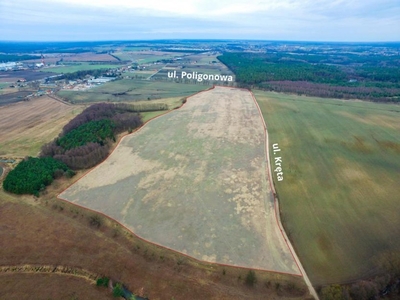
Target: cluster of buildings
20,66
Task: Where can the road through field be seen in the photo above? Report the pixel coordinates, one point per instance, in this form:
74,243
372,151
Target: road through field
277,210
195,181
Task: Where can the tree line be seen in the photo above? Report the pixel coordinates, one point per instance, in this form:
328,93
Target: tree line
387,283
86,140
83,73
377,94
312,75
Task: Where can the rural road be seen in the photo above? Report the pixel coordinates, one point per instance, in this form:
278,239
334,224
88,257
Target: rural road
311,289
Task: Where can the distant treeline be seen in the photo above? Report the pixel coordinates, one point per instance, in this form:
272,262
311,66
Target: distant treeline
12,57
251,68
315,75
85,140
83,73
143,107
378,94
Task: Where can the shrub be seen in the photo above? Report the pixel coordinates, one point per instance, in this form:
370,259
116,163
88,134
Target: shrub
334,292
251,278
103,281
95,221
117,290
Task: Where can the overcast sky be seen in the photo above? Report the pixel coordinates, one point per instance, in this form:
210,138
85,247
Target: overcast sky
310,20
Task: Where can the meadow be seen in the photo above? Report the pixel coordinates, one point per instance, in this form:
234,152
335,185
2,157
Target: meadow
170,103
132,90
80,67
340,194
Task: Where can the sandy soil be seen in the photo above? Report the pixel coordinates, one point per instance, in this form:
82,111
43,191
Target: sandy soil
195,181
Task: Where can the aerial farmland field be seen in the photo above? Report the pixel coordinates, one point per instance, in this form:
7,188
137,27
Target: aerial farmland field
195,180
27,125
340,194
80,67
132,90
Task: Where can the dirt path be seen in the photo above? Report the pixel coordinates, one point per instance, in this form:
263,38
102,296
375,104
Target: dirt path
277,212
65,270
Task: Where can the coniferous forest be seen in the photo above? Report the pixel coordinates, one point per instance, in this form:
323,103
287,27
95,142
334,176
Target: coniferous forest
374,78
33,174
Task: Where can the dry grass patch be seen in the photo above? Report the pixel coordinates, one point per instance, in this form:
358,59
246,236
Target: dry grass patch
26,126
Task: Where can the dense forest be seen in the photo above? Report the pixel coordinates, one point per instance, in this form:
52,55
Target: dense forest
373,78
32,175
83,73
85,140
91,132
13,57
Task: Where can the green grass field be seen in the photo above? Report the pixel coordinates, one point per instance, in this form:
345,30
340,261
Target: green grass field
3,87
340,193
171,102
132,90
80,67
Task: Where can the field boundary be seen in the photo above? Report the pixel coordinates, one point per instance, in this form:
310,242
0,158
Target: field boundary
277,209
162,246
58,99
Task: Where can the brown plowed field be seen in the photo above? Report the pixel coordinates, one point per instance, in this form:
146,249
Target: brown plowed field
27,125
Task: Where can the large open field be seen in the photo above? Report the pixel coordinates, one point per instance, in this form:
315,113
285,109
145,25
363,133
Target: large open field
132,90
28,75
80,67
49,232
27,125
143,57
9,98
195,180
340,193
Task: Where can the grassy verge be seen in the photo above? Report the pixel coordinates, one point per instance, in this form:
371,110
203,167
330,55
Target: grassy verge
339,196
171,102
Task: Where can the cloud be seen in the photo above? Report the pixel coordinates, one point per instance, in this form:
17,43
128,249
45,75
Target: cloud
352,20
